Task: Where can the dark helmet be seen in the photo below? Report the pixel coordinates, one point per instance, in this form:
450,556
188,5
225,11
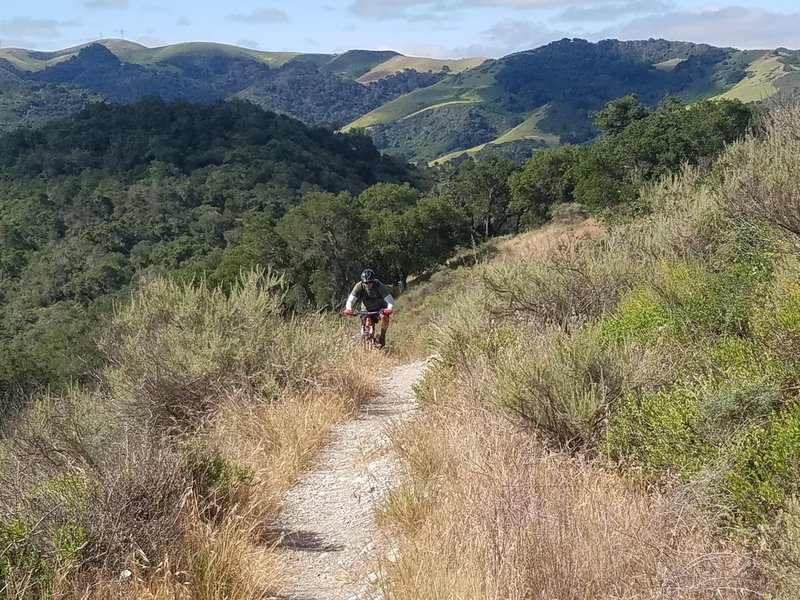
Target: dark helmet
368,276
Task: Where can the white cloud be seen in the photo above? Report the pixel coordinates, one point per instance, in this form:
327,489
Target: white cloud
734,26
529,3
411,10
261,15
248,44
614,10
444,10
512,35
34,28
110,4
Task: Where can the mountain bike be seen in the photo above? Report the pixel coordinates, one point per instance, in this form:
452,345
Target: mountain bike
369,337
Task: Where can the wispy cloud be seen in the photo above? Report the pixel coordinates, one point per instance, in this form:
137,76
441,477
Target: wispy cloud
183,22
734,26
532,4
410,10
23,27
615,10
109,4
248,44
261,15
509,36
446,9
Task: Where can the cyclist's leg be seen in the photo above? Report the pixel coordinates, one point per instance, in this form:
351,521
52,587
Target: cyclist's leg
367,329
384,326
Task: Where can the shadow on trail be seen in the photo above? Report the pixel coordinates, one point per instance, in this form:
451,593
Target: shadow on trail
308,541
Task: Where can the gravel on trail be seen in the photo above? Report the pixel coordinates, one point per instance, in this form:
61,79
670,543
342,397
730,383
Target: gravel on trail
327,526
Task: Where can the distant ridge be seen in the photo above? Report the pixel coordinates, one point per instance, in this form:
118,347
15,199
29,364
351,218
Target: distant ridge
416,108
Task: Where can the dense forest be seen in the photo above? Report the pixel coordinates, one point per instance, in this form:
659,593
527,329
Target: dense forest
119,190
93,204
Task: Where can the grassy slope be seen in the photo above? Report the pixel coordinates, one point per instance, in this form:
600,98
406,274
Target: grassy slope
400,63
527,130
146,56
669,276
669,65
759,83
354,63
29,60
367,65
464,89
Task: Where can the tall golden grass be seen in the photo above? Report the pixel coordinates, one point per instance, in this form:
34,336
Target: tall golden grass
168,472
506,493
486,511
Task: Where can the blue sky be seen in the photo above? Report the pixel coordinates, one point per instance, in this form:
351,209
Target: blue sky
439,28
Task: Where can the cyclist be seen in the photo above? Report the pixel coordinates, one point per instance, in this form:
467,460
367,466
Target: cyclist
374,296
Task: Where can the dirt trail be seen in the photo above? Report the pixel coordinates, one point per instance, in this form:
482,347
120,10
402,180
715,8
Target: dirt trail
328,521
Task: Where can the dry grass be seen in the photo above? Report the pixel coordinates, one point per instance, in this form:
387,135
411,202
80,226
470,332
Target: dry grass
550,238
761,184
486,513
277,439
172,469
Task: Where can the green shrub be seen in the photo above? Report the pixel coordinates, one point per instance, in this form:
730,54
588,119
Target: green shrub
66,494
69,541
640,315
776,322
657,433
686,302
765,469
217,483
700,302
734,406
566,383
24,569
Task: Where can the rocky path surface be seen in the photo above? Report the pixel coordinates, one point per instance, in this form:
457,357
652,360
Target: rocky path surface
328,523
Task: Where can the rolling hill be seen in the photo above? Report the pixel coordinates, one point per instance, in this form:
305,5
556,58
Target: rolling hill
415,108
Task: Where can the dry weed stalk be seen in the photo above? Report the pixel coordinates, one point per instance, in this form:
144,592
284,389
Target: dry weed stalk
496,516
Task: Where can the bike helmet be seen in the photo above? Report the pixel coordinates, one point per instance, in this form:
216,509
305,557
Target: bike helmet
367,276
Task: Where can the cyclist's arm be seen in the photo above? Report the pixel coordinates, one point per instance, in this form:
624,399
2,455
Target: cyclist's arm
353,297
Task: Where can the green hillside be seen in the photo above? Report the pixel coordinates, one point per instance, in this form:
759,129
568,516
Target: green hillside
290,83
355,63
137,54
527,131
766,75
504,93
463,88
414,107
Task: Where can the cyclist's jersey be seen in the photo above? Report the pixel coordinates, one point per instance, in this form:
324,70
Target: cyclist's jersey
373,299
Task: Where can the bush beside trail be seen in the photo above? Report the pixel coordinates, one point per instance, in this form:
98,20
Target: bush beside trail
663,353
158,480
